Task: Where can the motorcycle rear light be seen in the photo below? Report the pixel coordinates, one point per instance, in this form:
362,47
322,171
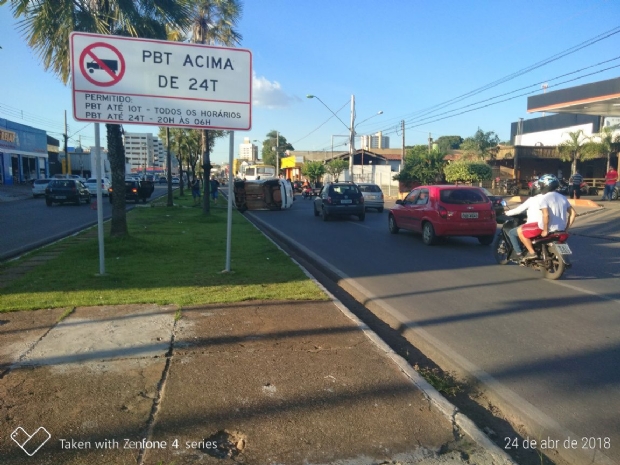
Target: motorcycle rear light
442,212
563,237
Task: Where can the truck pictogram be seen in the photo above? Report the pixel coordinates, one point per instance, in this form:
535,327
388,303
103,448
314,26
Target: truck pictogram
111,64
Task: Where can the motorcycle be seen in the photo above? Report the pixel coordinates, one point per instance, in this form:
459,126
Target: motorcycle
552,252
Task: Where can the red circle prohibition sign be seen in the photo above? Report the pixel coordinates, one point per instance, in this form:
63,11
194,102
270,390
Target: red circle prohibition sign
102,67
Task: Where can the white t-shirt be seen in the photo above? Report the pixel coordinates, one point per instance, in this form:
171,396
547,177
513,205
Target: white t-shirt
532,205
558,207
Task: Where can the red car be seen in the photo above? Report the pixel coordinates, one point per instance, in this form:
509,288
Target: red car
445,210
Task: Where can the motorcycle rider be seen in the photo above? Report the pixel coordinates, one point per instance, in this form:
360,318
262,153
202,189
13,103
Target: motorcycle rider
557,214
534,215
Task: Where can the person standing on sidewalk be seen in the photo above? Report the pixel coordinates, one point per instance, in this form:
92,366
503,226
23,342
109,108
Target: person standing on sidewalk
215,184
575,180
611,178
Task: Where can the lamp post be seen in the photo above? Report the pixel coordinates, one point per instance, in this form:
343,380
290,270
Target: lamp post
351,128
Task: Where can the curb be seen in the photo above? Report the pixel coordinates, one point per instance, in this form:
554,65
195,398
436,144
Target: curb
450,411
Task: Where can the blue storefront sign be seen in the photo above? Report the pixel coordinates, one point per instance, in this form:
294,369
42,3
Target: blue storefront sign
23,152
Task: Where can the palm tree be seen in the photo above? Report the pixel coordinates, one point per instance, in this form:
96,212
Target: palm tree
572,150
601,143
47,25
214,23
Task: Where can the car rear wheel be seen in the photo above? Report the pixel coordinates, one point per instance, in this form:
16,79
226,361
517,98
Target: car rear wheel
362,217
325,215
392,224
428,234
78,200
48,202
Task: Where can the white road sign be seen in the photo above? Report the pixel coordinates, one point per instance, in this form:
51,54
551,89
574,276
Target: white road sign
141,81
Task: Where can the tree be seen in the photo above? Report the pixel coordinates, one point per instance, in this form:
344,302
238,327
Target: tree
268,154
572,149
421,166
447,143
313,170
468,172
481,145
335,167
47,25
601,143
214,23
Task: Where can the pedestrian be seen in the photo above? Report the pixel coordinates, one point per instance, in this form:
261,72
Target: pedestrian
196,191
575,180
611,178
214,184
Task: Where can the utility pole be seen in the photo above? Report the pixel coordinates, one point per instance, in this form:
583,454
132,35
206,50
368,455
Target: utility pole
352,137
430,143
402,156
67,158
277,154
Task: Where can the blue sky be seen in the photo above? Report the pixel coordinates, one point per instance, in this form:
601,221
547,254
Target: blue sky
413,60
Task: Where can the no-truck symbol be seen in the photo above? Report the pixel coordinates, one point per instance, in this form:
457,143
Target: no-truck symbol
102,64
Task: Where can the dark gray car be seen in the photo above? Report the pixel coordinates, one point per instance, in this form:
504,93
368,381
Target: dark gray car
340,199
66,190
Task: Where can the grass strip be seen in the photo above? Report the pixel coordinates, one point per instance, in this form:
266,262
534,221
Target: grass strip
173,255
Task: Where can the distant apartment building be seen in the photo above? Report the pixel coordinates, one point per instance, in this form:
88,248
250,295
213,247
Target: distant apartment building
144,152
378,141
248,151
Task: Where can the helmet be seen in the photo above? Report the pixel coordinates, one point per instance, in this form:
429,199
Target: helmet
548,183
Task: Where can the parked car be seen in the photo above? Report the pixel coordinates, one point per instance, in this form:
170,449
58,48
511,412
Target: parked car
66,190
445,210
163,180
373,195
499,204
92,186
176,180
339,199
38,187
135,190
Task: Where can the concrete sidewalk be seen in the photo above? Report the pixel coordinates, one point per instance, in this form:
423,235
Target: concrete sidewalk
259,383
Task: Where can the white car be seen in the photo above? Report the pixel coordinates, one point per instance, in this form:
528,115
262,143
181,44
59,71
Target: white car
38,187
92,186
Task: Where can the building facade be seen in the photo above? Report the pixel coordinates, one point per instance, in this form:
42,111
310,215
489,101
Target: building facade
23,153
248,151
144,153
378,141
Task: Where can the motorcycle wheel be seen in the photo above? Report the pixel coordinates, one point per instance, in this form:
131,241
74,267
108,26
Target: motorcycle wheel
555,263
501,250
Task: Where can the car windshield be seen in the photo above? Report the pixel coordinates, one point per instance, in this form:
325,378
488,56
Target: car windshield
462,196
369,188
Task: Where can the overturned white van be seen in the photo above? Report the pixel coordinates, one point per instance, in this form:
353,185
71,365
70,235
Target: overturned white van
268,194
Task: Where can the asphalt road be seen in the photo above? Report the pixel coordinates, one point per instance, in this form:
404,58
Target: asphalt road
30,223
545,351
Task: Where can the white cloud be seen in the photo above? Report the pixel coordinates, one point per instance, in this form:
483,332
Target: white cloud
269,94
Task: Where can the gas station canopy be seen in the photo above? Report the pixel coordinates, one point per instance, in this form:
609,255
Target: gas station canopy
598,98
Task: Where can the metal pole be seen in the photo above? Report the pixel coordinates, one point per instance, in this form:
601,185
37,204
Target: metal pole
170,203
231,151
277,155
352,137
99,202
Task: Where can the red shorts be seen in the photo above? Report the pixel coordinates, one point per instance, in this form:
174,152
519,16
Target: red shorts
530,230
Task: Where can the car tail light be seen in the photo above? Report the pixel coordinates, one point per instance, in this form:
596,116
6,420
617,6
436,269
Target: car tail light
361,199
442,212
134,190
328,200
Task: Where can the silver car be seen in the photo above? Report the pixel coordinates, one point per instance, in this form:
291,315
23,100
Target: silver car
373,195
38,187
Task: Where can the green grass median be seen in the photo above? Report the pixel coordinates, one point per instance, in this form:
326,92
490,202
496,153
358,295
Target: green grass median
173,255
